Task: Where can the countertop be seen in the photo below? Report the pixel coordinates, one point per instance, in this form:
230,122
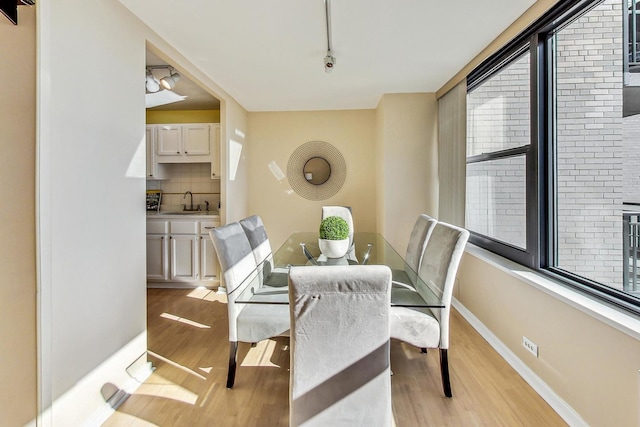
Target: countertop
212,214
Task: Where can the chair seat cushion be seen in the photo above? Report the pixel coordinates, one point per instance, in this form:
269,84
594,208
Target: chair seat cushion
257,322
417,326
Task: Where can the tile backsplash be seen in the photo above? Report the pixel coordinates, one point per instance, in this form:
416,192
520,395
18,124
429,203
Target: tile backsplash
183,177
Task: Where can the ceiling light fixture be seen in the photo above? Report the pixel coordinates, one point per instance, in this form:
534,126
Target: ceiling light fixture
329,60
170,81
151,84
160,77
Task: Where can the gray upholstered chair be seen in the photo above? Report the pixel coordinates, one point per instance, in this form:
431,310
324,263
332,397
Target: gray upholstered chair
256,233
415,248
247,322
427,327
339,373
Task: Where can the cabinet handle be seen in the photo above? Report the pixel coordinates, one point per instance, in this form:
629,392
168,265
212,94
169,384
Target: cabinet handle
186,152
209,228
177,152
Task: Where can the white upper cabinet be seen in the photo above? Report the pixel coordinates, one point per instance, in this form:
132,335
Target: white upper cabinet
169,138
183,140
196,139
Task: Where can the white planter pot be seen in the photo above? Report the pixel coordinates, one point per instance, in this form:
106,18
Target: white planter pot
334,248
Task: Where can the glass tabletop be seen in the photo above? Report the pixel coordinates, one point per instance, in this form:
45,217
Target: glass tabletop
269,283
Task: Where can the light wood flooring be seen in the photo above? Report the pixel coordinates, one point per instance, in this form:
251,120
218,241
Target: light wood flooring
187,341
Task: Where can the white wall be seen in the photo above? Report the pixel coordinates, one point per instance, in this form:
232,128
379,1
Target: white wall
17,228
91,191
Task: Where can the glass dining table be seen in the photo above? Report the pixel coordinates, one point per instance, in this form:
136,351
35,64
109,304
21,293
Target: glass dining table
269,284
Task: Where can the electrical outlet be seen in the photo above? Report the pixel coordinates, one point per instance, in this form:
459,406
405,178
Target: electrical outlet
530,345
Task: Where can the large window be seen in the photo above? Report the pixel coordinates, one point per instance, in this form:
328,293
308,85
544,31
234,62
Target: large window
548,151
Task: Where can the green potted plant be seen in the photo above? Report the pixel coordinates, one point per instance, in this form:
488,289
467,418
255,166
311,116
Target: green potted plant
334,237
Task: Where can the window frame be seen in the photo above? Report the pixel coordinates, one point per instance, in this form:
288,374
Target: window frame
541,249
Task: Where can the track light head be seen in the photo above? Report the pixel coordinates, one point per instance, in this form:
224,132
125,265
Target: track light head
169,82
329,62
151,84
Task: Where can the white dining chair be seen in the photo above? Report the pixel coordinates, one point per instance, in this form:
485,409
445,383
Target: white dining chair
259,241
429,327
339,372
249,323
418,239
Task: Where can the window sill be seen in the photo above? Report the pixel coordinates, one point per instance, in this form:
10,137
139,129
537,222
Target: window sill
621,320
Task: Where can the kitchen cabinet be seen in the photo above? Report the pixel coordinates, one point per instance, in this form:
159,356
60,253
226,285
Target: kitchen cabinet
184,257
157,253
215,147
209,267
179,251
154,170
183,141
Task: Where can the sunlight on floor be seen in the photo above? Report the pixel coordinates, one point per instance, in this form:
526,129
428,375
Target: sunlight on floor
177,365
208,295
161,387
185,321
124,419
261,354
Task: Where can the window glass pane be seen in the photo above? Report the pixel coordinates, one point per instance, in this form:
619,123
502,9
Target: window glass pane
496,199
590,160
498,110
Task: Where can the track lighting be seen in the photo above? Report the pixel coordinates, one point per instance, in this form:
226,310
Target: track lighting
170,81
329,60
160,77
151,83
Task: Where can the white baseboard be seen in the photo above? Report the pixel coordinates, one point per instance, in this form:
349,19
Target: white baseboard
566,412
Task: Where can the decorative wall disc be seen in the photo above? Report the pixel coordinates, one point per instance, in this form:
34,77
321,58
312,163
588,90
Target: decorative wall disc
296,173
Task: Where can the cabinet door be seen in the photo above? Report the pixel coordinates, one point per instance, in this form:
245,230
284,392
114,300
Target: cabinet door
157,257
215,149
196,139
184,257
169,139
208,260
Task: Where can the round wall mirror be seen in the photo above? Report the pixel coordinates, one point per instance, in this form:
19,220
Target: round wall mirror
317,170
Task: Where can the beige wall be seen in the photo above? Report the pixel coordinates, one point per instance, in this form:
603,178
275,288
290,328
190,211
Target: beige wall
589,364
17,228
274,137
407,163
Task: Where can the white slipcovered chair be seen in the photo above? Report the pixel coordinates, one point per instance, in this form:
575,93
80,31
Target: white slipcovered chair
429,327
339,373
420,234
247,322
256,233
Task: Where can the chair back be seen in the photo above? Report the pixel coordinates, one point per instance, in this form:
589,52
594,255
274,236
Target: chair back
238,265
339,373
439,267
258,239
418,240
343,212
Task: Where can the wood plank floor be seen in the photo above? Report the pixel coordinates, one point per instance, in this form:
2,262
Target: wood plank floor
187,334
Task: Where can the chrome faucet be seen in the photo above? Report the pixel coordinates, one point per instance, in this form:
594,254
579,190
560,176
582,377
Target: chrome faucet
191,203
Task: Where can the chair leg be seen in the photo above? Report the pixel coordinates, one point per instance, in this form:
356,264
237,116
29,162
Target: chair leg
444,371
423,350
231,375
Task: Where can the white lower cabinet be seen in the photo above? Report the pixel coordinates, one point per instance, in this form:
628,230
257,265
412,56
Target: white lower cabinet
209,267
180,251
184,257
157,255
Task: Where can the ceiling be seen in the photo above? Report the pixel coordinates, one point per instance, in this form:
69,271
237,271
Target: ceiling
268,55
